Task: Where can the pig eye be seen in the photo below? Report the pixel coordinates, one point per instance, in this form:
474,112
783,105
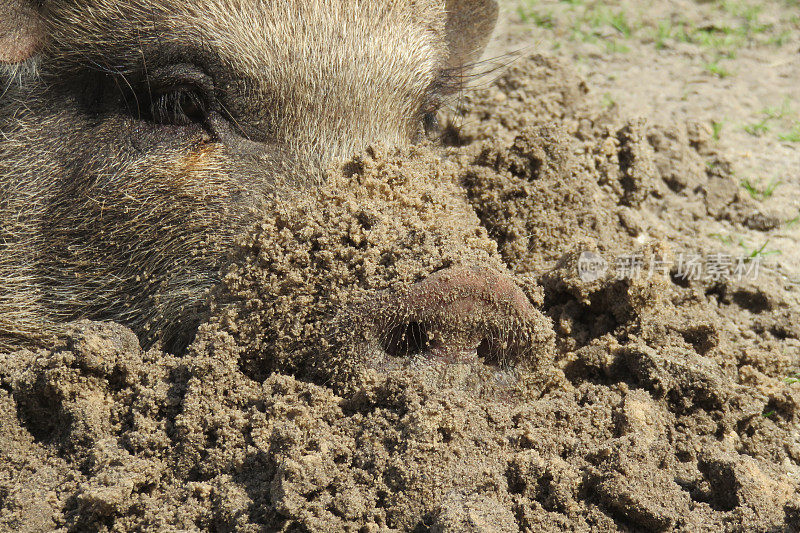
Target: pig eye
181,106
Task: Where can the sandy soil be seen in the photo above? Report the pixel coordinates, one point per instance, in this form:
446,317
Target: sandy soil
646,397
733,66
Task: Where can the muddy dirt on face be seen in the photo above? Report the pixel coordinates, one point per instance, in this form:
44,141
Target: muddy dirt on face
645,400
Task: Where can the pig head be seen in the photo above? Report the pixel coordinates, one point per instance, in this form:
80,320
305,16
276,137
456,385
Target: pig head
139,140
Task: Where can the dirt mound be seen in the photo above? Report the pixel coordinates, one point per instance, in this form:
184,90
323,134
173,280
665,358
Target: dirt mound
648,399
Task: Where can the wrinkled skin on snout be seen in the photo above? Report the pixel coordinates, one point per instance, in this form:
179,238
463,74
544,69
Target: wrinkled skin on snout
139,139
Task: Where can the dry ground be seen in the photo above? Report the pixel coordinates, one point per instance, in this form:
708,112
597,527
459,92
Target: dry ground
648,402
732,65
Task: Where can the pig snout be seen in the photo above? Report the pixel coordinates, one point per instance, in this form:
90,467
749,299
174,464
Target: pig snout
458,314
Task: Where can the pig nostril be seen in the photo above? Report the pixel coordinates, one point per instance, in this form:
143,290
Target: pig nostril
488,353
494,351
407,339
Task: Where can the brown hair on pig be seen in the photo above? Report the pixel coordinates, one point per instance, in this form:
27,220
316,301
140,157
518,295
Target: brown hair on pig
139,138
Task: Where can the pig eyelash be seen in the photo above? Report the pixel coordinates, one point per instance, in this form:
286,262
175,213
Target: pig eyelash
428,113
451,83
474,75
430,123
182,106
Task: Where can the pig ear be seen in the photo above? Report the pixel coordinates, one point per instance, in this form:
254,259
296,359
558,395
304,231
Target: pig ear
469,27
21,30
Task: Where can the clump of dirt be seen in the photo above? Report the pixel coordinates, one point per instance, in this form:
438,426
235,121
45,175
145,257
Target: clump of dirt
646,401
307,287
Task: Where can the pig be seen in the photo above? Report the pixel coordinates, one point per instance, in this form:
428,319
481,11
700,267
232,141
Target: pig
140,139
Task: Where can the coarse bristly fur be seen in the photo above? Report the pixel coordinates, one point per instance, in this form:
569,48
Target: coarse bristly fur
139,138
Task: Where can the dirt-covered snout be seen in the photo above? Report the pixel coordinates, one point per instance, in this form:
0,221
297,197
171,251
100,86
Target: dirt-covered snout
460,313
386,267
152,134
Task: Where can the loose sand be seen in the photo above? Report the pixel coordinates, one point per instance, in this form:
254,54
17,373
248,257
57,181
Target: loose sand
642,402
